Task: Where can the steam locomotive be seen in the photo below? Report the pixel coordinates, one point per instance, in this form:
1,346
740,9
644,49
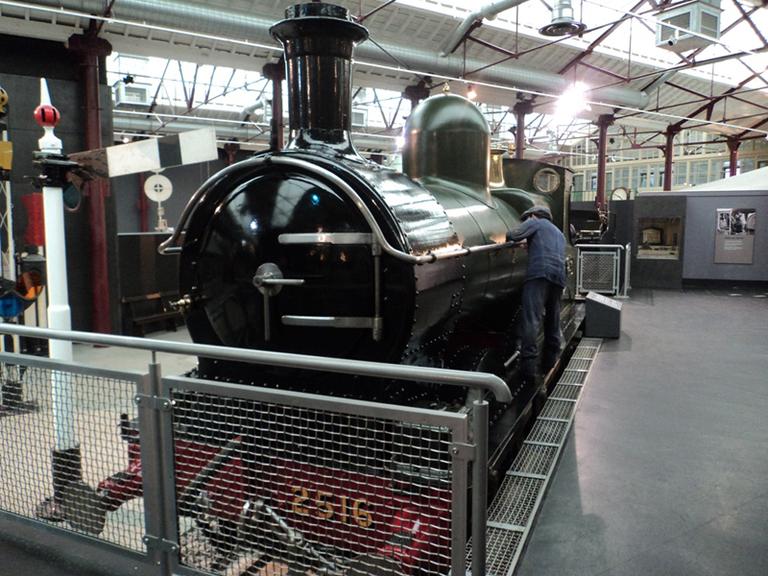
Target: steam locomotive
314,250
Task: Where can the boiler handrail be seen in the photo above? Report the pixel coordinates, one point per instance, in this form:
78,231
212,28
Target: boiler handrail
171,245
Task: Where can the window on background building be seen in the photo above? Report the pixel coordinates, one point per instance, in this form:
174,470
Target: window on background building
578,182
748,164
654,178
608,181
579,159
622,177
661,178
680,173
699,172
593,182
640,179
723,168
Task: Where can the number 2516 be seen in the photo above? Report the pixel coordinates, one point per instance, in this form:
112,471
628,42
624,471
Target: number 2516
328,506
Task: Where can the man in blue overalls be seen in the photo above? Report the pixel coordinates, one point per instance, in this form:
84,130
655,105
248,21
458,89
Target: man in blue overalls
543,288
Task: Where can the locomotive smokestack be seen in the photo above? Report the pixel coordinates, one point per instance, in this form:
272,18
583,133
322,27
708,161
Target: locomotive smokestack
318,40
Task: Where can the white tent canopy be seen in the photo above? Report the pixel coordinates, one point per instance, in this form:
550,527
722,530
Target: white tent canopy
752,180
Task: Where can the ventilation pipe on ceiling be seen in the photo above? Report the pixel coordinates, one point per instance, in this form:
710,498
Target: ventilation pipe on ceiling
487,12
563,22
247,134
230,24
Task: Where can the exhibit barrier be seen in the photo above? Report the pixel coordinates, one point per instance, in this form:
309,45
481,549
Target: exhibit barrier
226,474
603,268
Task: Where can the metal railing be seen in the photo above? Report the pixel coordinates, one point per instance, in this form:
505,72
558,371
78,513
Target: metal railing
602,268
204,477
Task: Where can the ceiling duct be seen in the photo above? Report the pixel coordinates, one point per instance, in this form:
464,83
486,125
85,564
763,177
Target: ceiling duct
563,22
197,18
487,12
247,134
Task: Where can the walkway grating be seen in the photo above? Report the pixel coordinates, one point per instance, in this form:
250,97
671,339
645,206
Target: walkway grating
514,508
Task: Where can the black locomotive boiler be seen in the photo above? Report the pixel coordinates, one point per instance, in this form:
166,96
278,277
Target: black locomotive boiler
314,250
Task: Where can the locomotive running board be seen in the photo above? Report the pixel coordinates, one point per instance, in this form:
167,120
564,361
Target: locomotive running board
512,513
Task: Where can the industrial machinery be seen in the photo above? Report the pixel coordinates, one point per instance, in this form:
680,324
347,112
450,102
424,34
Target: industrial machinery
314,250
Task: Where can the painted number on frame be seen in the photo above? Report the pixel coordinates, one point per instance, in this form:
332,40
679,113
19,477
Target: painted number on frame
328,506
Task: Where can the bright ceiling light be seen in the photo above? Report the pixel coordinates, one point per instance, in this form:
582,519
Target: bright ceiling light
471,92
572,102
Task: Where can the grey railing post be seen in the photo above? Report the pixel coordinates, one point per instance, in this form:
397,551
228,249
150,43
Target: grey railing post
462,453
627,266
160,532
479,485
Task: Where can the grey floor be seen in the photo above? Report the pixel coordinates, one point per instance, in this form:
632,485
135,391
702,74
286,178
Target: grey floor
665,471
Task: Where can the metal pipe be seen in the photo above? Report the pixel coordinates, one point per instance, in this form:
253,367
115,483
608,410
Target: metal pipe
489,11
196,18
603,122
602,246
378,320
733,149
627,266
275,71
669,152
474,380
143,206
90,50
59,314
520,109
479,485
126,121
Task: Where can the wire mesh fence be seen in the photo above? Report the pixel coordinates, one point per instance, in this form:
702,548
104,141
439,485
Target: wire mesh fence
43,405
310,489
598,270
182,475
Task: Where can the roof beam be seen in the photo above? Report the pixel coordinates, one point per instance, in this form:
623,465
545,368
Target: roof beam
732,96
588,50
751,24
364,17
604,71
763,122
716,99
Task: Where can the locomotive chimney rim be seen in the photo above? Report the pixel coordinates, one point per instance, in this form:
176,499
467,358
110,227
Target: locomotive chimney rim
318,40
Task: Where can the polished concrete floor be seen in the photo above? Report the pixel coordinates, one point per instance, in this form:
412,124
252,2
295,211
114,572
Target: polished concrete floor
666,468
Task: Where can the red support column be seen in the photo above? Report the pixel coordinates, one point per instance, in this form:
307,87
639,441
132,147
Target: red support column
603,122
143,206
231,150
669,153
733,148
91,49
520,109
275,71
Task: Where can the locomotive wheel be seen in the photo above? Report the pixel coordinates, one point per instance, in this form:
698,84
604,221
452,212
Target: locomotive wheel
81,506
